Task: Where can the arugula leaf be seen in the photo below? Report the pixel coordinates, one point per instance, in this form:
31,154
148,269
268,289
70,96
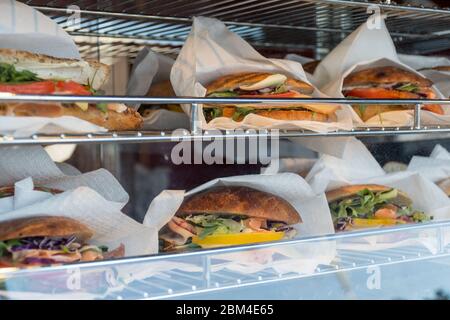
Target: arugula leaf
409,87
9,74
224,94
242,112
280,89
3,248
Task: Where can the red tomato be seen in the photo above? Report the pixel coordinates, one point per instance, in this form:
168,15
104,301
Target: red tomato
380,93
71,87
40,87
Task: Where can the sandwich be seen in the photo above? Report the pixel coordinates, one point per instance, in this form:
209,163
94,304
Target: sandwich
366,206
49,240
437,68
224,216
161,89
387,83
311,66
265,85
23,72
8,191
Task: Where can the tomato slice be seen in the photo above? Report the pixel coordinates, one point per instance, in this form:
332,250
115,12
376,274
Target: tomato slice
71,87
220,240
40,87
380,93
289,94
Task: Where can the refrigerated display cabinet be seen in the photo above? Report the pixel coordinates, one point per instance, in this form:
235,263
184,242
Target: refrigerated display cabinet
118,29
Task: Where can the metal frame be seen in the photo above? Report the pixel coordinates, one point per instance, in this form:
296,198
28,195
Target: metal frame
170,283
297,25
196,133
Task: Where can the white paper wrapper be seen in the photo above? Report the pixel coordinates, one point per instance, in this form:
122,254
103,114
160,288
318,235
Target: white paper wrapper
358,167
436,167
110,226
211,51
32,161
24,28
313,210
365,48
151,68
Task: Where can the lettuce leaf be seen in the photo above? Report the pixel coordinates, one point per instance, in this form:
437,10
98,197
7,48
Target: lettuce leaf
211,224
363,204
242,112
409,87
224,94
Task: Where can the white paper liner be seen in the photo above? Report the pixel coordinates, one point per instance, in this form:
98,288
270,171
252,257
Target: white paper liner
32,161
369,47
211,51
436,167
302,60
291,187
358,167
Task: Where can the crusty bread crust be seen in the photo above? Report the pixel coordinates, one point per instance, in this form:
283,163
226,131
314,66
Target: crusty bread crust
293,115
9,191
111,120
438,68
44,227
311,66
233,81
240,201
384,75
96,72
348,191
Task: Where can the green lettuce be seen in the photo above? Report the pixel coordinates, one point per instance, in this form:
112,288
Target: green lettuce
9,74
363,204
409,87
211,224
224,94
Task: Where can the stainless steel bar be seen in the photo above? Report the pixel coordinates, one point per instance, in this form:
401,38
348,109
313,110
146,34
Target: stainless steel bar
417,116
194,118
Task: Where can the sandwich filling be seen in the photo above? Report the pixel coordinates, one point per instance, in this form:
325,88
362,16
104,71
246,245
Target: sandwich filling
52,250
207,230
367,208
13,81
273,86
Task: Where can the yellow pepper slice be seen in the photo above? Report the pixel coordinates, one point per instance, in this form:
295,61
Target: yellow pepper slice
371,223
221,240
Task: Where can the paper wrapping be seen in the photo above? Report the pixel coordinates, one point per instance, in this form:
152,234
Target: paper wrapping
357,167
150,68
364,48
302,60
441,79
24,28
211,51
291,187
436,167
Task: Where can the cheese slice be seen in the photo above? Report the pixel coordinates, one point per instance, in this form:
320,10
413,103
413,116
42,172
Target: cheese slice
271,81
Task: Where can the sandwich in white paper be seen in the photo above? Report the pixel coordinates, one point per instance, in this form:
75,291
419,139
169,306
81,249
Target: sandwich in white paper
367,48
308,65
312,208
109,225
360,168
437,69
38,57
211,52
152,69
